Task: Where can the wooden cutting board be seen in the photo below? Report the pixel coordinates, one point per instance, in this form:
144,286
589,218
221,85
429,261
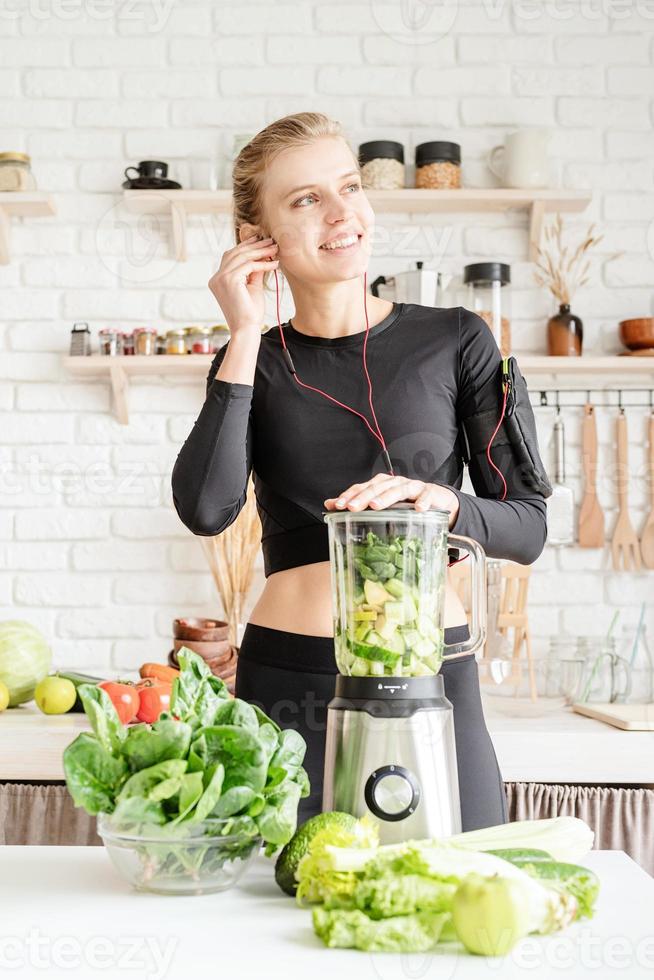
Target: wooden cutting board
630,717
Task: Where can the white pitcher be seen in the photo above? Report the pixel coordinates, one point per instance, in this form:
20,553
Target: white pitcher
522,161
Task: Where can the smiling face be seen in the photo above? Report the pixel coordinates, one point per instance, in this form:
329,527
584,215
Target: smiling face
313,196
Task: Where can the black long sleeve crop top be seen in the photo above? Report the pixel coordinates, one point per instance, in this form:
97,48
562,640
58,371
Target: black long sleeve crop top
430,369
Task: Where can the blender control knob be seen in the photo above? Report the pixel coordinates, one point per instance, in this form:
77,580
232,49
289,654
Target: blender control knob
392,792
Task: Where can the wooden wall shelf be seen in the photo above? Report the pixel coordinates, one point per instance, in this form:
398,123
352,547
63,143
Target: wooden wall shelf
118,370
177,205
28,204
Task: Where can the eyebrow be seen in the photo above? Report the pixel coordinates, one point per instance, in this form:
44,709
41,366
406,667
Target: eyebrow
305,187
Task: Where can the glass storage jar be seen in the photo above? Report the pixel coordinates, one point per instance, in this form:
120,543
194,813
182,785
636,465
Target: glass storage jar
219,336
128,342
161,343
111,341
382,165
438,165
176,341
15,172
488,294
200,340
145,340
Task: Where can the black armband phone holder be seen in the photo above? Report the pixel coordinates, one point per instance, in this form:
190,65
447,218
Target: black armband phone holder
514,448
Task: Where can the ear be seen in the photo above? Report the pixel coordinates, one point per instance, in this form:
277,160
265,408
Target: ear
246,230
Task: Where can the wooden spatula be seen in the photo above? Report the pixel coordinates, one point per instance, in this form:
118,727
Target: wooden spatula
624,544
647,535
591,515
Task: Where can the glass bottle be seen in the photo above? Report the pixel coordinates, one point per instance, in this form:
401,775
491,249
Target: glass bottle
565,333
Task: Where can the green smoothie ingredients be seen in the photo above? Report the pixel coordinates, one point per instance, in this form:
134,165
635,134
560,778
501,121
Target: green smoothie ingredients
412,896
211,764
393,624
335,824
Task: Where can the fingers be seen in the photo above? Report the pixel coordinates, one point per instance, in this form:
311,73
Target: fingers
379,492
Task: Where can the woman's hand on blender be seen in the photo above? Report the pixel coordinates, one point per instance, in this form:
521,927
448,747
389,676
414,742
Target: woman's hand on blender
384,490
238,283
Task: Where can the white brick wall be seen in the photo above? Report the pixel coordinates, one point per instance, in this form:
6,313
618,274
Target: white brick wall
91,549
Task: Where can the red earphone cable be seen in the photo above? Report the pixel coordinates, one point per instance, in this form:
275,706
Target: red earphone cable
378,435
289,360
488,447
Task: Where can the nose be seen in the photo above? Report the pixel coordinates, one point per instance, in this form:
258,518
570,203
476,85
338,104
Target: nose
338,209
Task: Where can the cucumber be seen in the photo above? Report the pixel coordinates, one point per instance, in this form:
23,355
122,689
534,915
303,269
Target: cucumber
78,679
368,652
513,854
396,587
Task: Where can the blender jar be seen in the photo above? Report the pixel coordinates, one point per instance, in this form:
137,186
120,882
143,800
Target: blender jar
388,573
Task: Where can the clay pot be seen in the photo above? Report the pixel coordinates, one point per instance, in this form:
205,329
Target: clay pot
204,630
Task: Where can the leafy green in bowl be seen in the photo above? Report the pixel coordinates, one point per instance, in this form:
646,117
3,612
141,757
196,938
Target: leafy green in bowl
184,803
192,859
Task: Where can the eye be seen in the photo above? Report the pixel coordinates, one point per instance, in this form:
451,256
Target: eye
356,185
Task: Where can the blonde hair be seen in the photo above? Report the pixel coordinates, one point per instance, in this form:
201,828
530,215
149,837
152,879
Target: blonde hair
251,163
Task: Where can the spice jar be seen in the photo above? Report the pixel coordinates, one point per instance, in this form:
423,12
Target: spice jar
15,173
161,344
128,342
145,340
382,165
200,339
111,341
488,295
438,165
219,336
176,341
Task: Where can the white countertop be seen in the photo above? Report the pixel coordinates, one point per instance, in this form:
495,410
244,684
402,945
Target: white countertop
535,742
69,907
547,742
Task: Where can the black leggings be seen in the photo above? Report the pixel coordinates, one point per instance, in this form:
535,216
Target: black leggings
291,676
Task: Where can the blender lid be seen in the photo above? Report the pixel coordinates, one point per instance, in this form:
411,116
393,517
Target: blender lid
387,513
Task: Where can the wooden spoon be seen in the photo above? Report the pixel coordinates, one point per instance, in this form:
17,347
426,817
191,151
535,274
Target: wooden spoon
624,544
647,535
591,515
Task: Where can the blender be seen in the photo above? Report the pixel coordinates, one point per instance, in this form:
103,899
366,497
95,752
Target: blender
390,747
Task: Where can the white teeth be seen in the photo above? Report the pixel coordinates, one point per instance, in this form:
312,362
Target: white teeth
342,243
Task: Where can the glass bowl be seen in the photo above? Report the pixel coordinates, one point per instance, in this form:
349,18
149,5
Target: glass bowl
192,859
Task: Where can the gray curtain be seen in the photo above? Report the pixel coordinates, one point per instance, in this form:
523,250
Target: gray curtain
621,816
43,813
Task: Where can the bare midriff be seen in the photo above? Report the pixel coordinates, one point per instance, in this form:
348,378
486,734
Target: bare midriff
299,600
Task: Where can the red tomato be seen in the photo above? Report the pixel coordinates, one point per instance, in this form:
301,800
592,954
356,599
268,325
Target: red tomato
154,697
124,697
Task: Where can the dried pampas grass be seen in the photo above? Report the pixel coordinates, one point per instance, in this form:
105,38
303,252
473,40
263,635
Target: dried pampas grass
231,556
558,272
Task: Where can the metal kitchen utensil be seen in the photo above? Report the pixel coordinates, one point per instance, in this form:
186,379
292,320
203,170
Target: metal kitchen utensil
624,544
647,534
591,515
560,505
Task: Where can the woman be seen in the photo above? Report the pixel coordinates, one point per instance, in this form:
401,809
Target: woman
299,207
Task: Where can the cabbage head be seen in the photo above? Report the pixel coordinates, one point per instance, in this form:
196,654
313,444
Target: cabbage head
25,659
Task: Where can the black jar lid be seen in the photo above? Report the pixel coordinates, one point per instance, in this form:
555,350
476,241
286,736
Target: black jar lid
389,149
487,272
437,150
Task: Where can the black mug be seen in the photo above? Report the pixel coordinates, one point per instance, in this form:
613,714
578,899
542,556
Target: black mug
149,169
